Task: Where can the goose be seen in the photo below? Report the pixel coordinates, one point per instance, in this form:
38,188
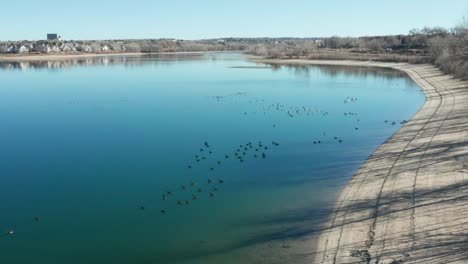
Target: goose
209,181
183,187
194,197
220,180
275,143
211,194
164,197
163,211
37,218
10,232
187,202
141,207
179,202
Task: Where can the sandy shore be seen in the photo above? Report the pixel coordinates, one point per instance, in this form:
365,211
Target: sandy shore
50,57
408,203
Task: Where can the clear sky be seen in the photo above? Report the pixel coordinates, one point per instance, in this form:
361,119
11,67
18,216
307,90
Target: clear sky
197,19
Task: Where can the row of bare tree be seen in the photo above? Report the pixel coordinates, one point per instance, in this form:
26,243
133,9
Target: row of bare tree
446,48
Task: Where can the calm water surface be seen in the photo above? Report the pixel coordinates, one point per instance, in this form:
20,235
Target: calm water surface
91,146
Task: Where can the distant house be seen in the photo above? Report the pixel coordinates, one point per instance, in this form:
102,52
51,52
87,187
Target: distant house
42,48
53,49
23,49
12,49
86,48
68,48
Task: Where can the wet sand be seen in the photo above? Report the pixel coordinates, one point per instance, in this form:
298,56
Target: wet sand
408,203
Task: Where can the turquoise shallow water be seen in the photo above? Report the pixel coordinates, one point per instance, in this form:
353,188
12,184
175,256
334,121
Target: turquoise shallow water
91,146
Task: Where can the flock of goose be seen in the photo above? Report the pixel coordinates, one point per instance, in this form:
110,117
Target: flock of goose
193,190
190,192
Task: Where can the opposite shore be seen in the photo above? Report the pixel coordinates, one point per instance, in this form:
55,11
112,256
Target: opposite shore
408,203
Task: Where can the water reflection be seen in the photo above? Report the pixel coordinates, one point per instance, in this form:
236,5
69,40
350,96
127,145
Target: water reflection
306,71
127,61
303,71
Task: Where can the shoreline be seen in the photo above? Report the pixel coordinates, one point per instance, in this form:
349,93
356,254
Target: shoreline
408,202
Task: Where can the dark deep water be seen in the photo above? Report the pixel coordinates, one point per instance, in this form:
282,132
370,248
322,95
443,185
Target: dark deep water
91,146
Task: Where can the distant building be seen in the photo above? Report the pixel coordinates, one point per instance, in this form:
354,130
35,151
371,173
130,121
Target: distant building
53,37
23,49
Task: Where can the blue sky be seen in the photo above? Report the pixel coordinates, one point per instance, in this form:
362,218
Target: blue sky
197,19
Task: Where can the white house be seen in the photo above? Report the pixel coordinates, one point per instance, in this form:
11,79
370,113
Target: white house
23,49
53,49
66,47
87,48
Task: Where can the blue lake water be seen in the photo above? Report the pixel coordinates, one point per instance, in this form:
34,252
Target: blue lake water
91,146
